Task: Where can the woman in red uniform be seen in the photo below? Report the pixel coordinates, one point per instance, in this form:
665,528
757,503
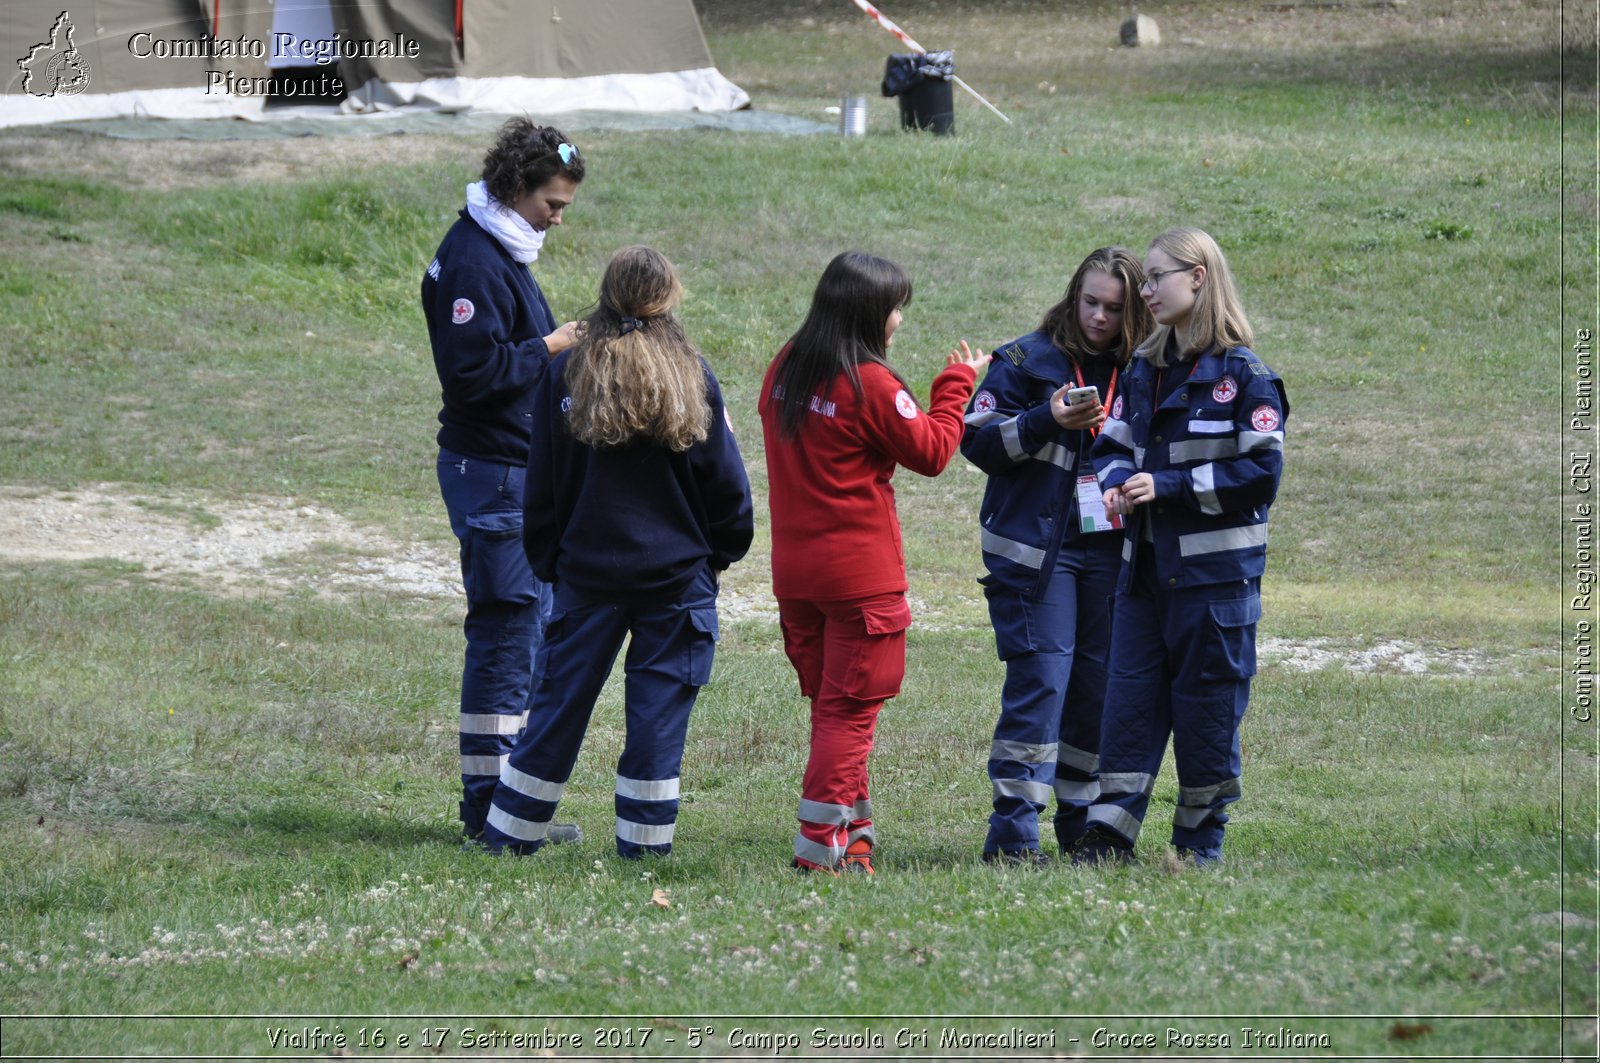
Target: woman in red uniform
837,421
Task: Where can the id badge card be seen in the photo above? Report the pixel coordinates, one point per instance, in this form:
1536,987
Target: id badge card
1092,509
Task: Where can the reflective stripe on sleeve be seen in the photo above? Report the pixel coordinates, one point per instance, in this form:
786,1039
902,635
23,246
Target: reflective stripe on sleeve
1011,436
1249,441
1118,432
1113,466
979,418
1056,455
1203,478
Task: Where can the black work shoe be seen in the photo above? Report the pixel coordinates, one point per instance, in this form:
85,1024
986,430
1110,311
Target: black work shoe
561,833
1198,858
1099,846
1030,858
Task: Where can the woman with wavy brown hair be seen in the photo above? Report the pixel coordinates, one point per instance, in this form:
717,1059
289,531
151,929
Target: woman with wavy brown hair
637,500
1050,554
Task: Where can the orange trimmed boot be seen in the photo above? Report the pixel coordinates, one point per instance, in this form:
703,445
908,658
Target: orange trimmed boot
858,858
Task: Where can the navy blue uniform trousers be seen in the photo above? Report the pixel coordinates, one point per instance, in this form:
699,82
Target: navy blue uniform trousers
1048,736
1181,662
506,612
670,648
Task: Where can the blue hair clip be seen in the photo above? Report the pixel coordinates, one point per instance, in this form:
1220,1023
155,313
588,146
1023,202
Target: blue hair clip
567,152
631,324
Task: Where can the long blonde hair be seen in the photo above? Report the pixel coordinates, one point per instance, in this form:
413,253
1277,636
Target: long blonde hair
635,373
1217,319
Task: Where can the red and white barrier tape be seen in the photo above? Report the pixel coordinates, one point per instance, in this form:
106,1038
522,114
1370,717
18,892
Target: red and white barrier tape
905,38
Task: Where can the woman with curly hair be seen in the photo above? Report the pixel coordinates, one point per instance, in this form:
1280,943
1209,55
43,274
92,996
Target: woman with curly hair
493,335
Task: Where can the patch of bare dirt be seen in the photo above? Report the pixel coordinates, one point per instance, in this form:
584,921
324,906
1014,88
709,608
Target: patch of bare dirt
253,544
274,542
166,165
1387,656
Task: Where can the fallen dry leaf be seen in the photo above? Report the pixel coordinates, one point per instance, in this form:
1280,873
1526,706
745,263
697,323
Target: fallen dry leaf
1402,1032
659,898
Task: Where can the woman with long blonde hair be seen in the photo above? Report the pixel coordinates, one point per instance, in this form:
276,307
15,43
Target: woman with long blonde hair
1190,457
637,500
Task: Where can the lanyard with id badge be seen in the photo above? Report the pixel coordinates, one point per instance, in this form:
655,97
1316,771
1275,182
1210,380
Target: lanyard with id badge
1091,506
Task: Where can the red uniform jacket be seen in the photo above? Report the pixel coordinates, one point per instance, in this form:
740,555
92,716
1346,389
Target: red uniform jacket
835,534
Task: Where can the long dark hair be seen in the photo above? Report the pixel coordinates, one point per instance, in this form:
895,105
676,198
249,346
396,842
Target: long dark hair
845,326
1061,321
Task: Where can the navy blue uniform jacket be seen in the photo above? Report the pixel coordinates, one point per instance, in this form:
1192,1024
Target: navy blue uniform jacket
636,522
487,320
1215,450
1030,504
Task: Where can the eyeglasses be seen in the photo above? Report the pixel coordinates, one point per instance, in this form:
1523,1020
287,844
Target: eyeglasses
1152,280
567,152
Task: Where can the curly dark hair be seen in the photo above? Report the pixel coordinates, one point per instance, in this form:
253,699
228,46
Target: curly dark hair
526,156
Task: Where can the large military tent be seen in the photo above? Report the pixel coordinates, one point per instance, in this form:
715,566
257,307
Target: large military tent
228,58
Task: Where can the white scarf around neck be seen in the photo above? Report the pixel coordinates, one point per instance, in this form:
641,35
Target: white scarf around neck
521,240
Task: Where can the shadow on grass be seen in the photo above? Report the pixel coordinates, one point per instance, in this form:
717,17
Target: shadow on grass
305,825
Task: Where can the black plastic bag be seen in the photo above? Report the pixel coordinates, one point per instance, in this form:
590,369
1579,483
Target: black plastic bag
904,72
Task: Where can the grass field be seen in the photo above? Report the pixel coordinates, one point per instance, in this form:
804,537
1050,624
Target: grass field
230,790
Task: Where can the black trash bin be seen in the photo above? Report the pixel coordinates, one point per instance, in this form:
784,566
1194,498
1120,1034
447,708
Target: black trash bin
922,82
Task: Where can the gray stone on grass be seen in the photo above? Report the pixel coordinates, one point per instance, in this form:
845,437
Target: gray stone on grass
1140,29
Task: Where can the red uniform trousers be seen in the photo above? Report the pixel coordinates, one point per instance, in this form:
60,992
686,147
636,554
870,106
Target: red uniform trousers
850,657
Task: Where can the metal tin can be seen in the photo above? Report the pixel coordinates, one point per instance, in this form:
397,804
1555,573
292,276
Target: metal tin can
853,116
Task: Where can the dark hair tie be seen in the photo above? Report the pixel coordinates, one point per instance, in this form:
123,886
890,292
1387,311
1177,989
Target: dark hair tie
631,324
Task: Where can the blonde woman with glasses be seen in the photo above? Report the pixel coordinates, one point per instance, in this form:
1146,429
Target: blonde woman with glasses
1190,459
